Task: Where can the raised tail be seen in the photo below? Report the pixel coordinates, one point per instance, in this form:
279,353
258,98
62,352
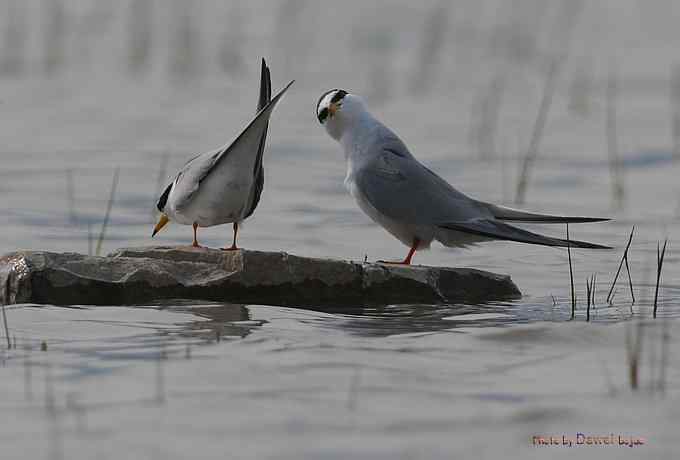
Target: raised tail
517,215
265,87
258,184
501,231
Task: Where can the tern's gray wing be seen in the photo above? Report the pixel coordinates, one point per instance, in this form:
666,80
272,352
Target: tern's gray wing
401,188
187,180
199,168
517,215
258,185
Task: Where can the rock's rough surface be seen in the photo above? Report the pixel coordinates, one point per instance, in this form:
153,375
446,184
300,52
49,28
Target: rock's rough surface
138,275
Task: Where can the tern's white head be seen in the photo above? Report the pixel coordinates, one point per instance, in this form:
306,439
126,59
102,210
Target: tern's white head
337,110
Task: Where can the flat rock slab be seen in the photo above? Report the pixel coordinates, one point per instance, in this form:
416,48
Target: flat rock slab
140,275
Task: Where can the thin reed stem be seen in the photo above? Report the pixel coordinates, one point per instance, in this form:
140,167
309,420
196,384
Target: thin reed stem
571,277
4,320
537,133
590,291
624,259
659,266
612,143
109,205
588,301
630,280
571,11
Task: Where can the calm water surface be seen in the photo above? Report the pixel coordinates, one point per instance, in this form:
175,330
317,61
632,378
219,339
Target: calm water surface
401,381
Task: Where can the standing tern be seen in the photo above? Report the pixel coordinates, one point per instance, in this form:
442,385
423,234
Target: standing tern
410,201
223,185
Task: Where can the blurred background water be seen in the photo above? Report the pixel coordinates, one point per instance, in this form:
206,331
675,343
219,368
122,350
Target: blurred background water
569,107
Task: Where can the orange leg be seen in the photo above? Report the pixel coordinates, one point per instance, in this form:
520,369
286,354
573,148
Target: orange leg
409,256
195,242
233,243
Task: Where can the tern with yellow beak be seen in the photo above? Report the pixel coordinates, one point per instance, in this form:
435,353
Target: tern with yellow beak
409,200
224,185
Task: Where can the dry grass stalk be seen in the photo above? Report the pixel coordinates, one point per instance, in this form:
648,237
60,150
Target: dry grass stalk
571,277
107,215
624,259
615,167
537,133
590,292
4,320
660,254
561,41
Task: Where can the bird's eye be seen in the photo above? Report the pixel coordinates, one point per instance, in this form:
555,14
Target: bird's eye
339,96
323,115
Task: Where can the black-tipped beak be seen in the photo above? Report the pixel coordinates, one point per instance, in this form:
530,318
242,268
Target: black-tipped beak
161,223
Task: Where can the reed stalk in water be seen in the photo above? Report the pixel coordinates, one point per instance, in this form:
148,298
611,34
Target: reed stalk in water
571,277
612,143
660,254
4,320
590,292
537,133
107,215
624,259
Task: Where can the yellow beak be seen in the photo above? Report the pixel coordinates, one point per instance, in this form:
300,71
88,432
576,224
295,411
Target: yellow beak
161,223
332,108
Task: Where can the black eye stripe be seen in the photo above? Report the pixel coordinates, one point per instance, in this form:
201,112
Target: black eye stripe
339,95
323,115
322,98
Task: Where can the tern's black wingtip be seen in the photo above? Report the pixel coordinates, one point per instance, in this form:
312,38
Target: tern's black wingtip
586,245
285,88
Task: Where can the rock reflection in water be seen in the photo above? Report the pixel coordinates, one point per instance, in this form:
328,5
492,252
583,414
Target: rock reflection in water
380,321
220,321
